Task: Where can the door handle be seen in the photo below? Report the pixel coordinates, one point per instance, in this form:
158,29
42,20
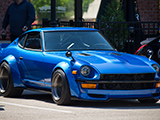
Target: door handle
21,58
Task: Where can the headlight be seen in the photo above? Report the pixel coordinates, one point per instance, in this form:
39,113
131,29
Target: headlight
85,71
156,67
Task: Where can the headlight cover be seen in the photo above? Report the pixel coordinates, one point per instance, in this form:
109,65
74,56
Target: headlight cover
156,67
85,71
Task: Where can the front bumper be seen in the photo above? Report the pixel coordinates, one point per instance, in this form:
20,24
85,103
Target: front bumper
105,94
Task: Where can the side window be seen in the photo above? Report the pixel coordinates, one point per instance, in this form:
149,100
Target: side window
21,41
33,41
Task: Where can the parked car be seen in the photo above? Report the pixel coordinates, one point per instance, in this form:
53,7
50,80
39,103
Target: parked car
150,49
75,63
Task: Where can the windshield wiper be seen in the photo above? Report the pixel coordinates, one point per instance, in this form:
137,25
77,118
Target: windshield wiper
70,46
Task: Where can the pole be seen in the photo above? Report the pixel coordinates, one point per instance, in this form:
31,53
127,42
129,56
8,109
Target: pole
78,10
53,13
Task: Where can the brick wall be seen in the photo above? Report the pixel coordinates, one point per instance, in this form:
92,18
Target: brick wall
148,10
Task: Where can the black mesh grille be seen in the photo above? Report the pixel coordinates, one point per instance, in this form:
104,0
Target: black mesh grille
126,86
116,77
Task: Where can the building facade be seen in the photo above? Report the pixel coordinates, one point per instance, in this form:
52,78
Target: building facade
148,11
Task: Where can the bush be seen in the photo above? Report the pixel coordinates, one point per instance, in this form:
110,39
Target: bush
112,20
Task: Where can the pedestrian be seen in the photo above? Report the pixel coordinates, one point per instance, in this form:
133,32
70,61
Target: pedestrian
19,15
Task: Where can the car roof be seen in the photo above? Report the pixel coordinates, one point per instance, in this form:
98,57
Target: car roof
63,29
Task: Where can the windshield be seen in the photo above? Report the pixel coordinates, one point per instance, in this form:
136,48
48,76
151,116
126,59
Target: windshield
90,40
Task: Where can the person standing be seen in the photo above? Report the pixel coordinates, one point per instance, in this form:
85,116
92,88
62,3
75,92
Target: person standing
19,15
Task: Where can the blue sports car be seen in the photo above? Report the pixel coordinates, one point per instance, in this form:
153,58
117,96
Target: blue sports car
75,63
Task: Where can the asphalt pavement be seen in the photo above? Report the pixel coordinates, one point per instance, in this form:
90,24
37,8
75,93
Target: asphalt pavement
39,106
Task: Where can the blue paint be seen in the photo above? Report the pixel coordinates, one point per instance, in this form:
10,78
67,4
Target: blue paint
36,67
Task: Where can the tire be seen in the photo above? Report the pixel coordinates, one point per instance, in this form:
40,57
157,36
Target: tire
6,83
147,100
60,88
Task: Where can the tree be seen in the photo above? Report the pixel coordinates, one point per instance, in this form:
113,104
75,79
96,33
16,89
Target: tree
110,18
85,4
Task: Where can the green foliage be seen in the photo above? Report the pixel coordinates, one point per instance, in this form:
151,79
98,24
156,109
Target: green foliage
159,4
113,12
112,15
85,4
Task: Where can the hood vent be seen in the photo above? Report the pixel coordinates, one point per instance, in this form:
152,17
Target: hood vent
116,54
84,54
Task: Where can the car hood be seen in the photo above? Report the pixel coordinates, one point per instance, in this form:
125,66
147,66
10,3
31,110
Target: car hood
113,62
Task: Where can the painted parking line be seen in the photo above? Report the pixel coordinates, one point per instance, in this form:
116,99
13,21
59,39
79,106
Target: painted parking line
34,107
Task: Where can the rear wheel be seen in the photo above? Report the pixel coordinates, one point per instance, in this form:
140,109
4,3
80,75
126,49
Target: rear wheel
147,100
60,88
6,83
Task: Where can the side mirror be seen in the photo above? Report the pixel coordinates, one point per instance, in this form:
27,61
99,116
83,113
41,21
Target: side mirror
69,54
149,53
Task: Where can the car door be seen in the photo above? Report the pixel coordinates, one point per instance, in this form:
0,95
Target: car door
31,59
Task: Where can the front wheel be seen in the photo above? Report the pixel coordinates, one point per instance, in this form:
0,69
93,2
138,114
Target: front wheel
6,83
147,100
60,88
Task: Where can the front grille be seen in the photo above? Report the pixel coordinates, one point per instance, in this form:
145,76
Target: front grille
126,77
116,77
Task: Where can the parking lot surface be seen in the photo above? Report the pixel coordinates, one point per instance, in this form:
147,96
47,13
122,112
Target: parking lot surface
39,106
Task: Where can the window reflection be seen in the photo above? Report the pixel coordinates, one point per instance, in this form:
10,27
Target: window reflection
65,9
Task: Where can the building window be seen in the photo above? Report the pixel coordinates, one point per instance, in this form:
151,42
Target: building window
64,10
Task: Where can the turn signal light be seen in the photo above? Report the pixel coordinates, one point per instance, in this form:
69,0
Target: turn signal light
74,72
157,85
88,86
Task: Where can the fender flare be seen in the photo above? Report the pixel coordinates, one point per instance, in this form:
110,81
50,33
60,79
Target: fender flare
71,79
16,76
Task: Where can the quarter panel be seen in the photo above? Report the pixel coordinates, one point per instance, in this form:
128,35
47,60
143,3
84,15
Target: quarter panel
14,71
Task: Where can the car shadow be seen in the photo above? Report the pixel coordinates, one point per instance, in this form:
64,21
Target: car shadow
116,104
27,94
1,107
111,104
